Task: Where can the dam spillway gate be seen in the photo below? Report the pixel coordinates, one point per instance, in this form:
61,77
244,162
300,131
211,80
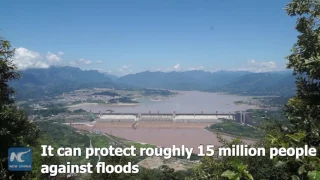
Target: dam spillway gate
167,120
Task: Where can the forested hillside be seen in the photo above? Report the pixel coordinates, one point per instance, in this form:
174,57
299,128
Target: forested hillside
188,80
37,83
261,84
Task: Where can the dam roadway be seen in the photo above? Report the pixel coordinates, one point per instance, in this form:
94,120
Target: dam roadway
169,118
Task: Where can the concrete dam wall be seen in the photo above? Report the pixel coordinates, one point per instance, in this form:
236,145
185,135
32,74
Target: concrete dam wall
131,117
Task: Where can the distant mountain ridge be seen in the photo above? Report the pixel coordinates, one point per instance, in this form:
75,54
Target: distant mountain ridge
261,84
187,80
236,82
56,74
37,83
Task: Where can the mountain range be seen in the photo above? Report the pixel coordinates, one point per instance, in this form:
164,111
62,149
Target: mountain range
38,83
235,82
188,80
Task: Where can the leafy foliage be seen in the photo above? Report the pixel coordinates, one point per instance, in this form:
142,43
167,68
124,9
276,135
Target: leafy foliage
122,100
242,167
303,110
16,130
7,71
237,129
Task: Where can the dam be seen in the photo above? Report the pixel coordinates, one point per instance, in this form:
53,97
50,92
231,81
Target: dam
161,129
170,118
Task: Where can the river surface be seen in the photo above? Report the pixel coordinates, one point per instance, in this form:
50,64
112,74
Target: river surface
190,137
185,102
189,134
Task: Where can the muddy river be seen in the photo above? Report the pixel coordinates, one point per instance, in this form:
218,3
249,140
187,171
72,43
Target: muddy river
189,134
185,102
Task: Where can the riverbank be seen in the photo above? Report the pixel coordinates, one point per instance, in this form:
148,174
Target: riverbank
231,135
103,104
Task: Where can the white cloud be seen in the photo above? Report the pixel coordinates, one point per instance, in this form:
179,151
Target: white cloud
162,69
25,58
156,69
73,63
251,65
83,61
99,62
125,69
60,53
264,64
53,58
80,62
258,66
176,67
195,68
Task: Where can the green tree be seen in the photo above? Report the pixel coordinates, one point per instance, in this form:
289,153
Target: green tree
216,168
16,130
303,111
7,71
113,160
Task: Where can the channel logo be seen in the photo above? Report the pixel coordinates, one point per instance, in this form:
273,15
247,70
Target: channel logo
19,159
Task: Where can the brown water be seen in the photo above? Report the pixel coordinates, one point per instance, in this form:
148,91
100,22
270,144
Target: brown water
189,134
185,102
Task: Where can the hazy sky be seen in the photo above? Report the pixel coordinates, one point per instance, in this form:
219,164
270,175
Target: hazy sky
125,36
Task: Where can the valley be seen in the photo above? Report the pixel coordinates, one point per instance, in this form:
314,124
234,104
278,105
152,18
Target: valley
82,109
56,80
200,90
79,110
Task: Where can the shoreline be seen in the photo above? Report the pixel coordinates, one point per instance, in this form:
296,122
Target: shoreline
232,136
247,105
81,104
104,104
123,104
